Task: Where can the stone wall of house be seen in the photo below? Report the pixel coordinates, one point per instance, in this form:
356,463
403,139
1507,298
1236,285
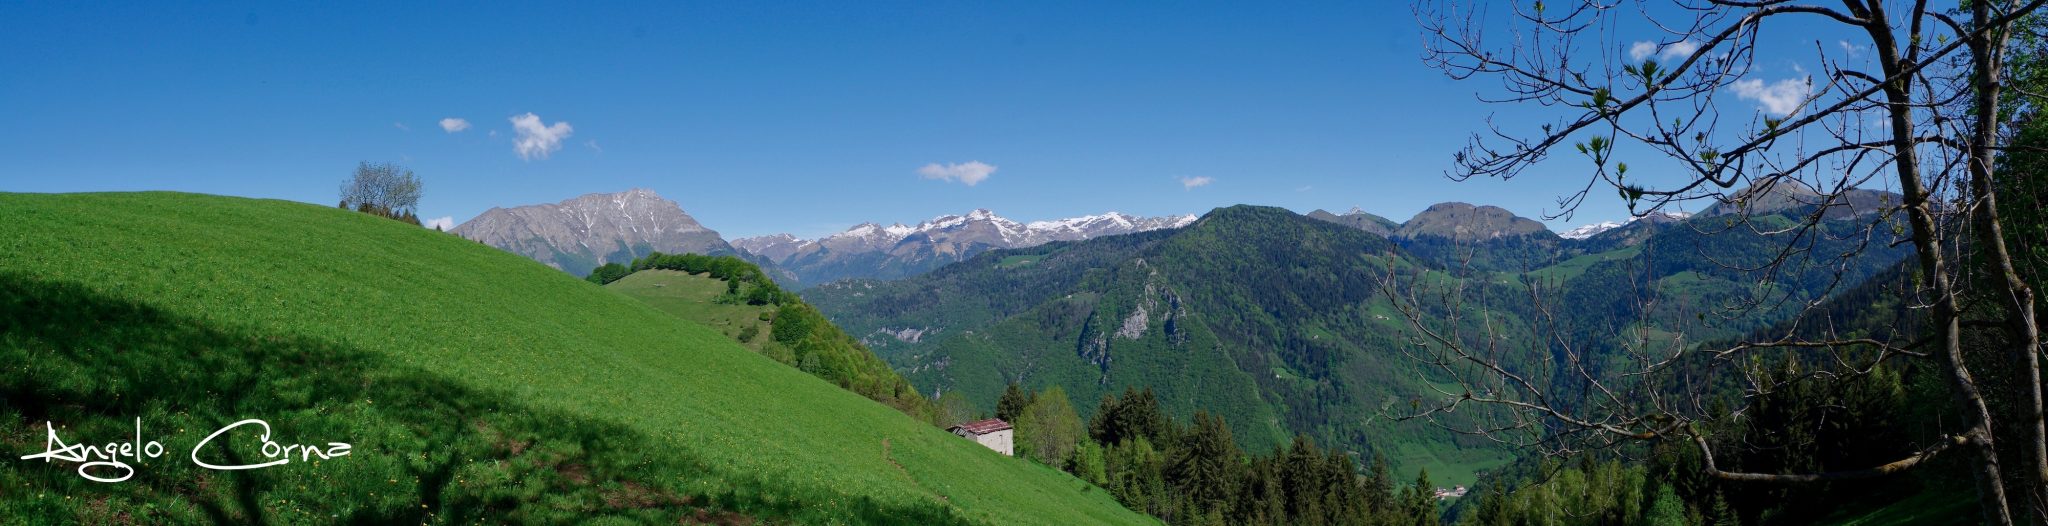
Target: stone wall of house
999,441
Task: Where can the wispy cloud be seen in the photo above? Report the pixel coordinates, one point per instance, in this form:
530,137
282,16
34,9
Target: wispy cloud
454,124
1189,183
1778,98
1852,50
535,140
593,145
401,126
1304,188
969,173
443,223
1668,53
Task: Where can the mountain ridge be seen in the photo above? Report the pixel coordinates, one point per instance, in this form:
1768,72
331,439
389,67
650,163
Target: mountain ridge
581,233
872,250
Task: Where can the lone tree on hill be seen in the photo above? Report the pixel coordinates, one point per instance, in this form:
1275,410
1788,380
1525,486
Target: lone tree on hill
1921,100
384,189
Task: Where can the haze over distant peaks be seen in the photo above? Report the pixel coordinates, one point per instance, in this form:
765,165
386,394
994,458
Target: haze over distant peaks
1586,231
872,250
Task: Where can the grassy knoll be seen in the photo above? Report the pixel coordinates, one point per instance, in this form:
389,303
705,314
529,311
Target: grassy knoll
474,384
693,297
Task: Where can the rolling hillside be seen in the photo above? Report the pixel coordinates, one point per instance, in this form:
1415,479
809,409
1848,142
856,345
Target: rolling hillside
474,385
771,330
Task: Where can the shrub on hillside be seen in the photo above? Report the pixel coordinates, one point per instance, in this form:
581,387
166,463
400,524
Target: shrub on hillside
608,273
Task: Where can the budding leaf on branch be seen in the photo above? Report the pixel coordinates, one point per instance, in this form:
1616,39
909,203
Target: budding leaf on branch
1632,193
1649,74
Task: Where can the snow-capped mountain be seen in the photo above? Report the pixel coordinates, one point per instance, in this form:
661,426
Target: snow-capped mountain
774,247
1586,231
874,250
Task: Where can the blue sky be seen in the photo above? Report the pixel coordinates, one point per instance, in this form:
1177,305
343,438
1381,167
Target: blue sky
756,118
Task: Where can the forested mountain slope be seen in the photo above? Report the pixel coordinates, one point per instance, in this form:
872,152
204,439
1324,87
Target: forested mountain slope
1279,323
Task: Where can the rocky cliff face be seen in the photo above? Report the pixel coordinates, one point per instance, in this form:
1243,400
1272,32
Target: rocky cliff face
580,234
777,247
871,250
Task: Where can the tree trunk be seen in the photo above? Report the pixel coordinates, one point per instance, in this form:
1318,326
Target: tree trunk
1988,50
1934,269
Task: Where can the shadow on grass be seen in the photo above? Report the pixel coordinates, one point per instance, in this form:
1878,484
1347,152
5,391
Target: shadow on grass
426,449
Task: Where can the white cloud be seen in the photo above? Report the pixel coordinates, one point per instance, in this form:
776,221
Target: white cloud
1189,183
1675,52
454,124
1852,49
535,140
593,145
1679,50
969,173
1640,50
443,222
1780,98
401,125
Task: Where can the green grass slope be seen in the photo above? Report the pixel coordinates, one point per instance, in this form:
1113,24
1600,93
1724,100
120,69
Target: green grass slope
693,297
475,386
784,328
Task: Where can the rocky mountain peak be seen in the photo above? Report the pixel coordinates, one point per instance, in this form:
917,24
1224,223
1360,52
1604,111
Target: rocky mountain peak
1463,221
897,250
581,233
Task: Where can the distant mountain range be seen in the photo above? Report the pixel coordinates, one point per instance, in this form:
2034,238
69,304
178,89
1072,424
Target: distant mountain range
1277,321
580,234
871,250
1588,231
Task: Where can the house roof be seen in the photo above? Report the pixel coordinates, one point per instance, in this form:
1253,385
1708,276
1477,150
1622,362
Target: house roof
982,427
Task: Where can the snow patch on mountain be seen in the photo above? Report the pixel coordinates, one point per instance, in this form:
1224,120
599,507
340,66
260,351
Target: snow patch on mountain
1586,231
981,224
1595,229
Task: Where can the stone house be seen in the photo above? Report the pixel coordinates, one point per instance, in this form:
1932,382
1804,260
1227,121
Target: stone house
992,433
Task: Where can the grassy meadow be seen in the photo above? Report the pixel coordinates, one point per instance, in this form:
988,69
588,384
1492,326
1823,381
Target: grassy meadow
474,385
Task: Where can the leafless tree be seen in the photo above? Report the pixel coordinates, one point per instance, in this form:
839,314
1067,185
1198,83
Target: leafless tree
384,189
1914,104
